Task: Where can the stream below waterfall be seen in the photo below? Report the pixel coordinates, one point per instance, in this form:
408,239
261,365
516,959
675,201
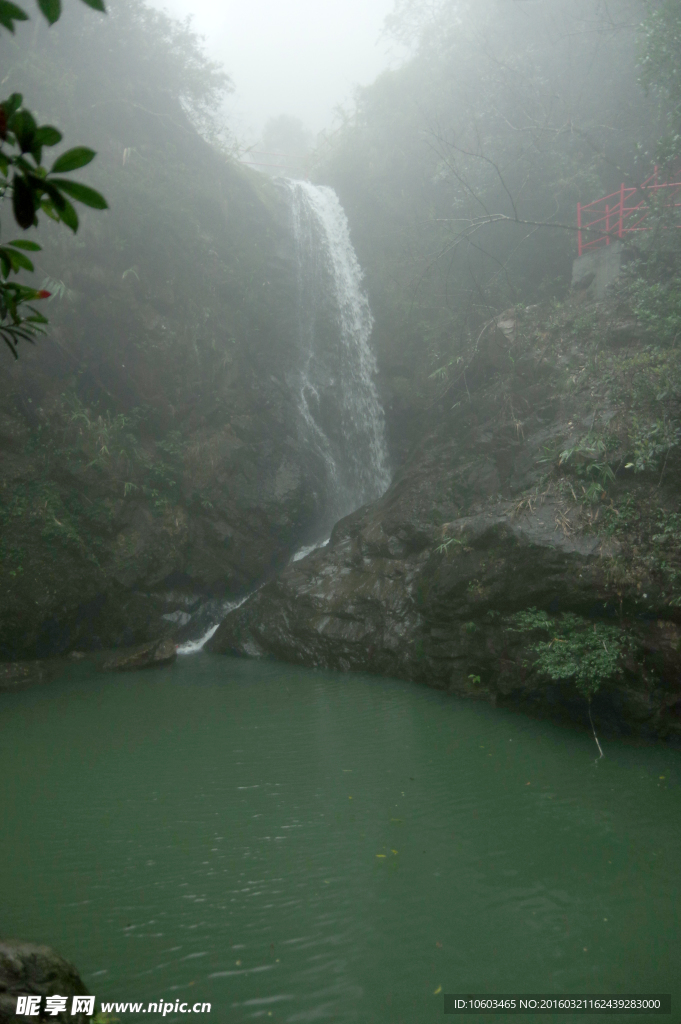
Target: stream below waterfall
292,845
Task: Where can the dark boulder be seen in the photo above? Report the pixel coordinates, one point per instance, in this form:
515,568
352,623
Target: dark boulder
15,675
27,969
152,655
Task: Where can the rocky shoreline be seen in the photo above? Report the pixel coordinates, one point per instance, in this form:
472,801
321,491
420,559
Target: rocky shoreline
485,522
17,675
522,498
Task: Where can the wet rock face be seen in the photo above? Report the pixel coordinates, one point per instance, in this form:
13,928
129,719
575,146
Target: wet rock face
103,515
86,566
153,655
27,969
423,584
15,675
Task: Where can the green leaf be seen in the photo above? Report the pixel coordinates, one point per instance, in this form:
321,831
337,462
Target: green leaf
51,9
37,317
72,159
57,200
82,193
96,5
58,207
23,204
23,166
69,216
10,13
24,127
17,259
11,105
7,339
20,261
46,135
23,243
48,207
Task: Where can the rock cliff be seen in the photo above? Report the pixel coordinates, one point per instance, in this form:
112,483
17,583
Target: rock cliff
150,442
519,535
151,450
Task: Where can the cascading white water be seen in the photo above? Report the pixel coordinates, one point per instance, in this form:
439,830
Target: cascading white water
337,394
334,383
194,646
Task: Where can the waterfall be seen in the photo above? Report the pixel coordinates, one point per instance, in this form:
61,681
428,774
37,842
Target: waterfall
337,397
194,646
341,415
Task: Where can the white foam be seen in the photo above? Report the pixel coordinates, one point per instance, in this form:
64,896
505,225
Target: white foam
194,646
309,548
355,452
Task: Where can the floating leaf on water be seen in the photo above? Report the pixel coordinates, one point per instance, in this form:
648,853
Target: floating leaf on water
399,821
395,852
437,990
381,855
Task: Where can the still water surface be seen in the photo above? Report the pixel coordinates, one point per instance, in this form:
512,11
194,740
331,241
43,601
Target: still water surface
301,846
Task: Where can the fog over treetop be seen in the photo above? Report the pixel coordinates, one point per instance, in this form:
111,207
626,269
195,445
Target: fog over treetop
302,57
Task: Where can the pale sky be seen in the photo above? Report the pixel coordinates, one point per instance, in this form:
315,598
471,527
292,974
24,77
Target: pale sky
299,57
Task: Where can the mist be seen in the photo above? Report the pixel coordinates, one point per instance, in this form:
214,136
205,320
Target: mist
340,508
301,58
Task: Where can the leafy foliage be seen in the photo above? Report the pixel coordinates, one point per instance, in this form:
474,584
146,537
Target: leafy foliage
651,537
652,442
655,298
586,458
587,653
33,189
449,164
660,59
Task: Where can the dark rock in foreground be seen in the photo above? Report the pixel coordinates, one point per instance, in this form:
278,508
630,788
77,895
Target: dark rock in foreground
29,969
152,655
15,675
